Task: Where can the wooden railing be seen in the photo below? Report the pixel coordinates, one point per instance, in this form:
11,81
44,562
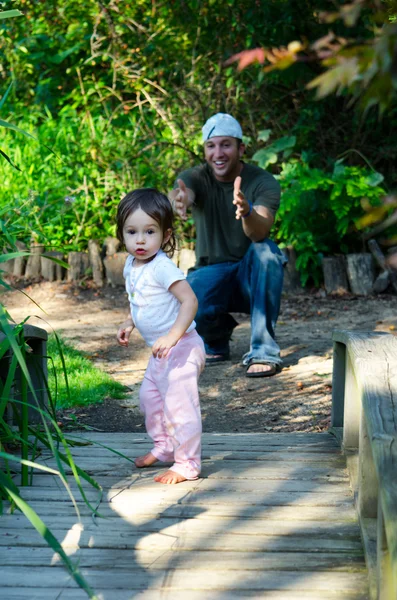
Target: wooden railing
364,412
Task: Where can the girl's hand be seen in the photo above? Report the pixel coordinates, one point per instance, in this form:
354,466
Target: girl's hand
163,345
239,200
124,332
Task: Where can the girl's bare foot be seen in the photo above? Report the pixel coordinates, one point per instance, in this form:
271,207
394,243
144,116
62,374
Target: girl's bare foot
170,477
145,461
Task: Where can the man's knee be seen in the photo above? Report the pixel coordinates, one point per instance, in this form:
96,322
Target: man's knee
266,254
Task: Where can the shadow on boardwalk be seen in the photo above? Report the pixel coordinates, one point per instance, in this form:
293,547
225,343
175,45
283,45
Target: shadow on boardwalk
272,517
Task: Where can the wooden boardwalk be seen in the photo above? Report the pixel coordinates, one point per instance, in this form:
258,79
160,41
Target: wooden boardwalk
272,517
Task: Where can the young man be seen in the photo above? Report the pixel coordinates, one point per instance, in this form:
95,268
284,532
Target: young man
238,268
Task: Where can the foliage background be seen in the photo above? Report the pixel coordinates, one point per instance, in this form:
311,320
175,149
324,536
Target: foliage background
119,92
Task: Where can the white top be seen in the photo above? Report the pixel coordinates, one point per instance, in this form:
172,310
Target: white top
153,308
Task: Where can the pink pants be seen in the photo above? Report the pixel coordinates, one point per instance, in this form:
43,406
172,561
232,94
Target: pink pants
169,400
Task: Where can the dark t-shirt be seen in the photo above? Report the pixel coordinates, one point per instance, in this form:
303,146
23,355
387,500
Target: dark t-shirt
219,235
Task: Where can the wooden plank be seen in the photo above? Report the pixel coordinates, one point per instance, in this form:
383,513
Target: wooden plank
241,510
174,526
108,482
40,593
374,358
206,497
94,538
132,559
223,469
230,439
194,580
92,454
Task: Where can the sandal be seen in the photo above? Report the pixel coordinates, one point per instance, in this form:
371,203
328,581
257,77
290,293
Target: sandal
272,371
211,360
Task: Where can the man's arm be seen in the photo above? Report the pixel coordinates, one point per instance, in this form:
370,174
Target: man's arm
181,198
258,223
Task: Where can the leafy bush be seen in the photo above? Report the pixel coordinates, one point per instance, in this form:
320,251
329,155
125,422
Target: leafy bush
319,210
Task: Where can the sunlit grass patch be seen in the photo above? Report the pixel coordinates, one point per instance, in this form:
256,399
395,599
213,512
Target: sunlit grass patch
87,383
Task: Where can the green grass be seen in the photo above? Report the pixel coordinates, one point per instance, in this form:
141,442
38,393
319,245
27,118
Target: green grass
87,384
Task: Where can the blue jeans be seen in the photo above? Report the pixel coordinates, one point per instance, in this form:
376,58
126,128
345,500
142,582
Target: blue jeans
253,286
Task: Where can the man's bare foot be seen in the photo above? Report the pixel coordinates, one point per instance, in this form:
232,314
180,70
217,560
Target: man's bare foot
216,358
261,370
145,461
170,477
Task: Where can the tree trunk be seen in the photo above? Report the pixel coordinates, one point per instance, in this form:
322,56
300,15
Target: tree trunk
33,266
78,265
95,262
50,270
335,278
361,273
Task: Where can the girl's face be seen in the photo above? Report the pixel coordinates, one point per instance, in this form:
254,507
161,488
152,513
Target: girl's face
143,236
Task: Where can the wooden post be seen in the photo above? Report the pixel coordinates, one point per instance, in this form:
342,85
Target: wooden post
367,479
19,263
381,261
95,262
78,265
353,408
384,570
292,283
111,245
114,267
33,266
50,270
335,278
338,384
361,273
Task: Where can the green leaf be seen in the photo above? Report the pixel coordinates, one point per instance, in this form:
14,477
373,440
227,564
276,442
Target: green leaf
265,157
6,14
4,98
264,135
284,143
15,128
5,257
10,161
374,179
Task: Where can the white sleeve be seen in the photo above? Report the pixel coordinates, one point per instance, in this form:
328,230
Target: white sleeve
127,269
166,273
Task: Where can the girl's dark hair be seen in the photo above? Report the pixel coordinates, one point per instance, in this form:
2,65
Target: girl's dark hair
153,203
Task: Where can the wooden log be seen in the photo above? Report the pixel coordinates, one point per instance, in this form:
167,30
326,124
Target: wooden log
114,266
110,246
96,262
335,277
292,283
33,266
20,263
383,264
78,265
381,283
8,265
50,270
361,273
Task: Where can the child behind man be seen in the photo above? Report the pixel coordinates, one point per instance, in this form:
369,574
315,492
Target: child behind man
162,307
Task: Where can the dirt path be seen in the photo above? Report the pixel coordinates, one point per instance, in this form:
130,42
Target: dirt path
297,399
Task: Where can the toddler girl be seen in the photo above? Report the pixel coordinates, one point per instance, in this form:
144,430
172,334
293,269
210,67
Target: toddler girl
162,306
